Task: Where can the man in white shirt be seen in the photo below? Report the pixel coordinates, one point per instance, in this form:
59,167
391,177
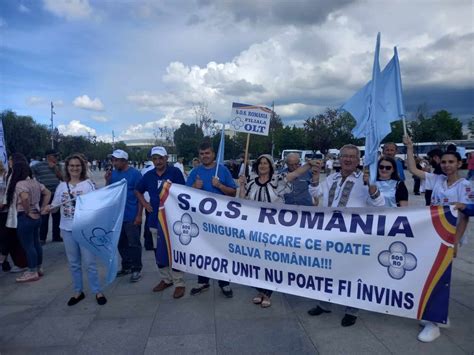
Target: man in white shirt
344,189
180,166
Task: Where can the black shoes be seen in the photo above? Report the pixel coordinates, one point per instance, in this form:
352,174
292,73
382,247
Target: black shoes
227,291
348,320
73,300
101,300
124,272
198,290
316,311
6,266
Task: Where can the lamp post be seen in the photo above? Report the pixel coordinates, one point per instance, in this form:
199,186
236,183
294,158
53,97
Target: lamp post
52,125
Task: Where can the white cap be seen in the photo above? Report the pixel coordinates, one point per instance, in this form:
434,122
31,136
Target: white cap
120,154
159,151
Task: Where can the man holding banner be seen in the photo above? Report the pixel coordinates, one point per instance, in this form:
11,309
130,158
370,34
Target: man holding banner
206,177
344,189
152,182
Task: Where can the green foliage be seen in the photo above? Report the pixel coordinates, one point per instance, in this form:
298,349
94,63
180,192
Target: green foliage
470,125
438,128
187,139
23,135
329,130
397,132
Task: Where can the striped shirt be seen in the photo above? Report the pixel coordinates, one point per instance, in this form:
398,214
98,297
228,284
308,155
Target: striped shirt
33,188
46,175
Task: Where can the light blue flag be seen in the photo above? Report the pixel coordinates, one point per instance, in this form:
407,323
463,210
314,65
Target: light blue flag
377,104
98,221
220,151
3,149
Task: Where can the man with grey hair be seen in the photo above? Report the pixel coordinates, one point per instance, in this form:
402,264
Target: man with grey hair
299,194
390,150
346,188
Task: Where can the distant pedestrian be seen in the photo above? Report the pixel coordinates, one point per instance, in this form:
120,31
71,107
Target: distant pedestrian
180,166
75,184
49,174
470,166
129,245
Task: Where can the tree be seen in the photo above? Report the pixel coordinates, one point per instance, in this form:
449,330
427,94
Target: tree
396,135
24,135
204,119
289,138
438,128
187,139
470,126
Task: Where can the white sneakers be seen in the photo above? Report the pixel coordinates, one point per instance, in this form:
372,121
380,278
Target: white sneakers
28,276
429,333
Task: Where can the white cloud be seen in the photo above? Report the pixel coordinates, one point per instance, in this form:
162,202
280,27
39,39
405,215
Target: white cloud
99,118
76,128
35,100
3,23
69,9
58,103
86,103
150,128
23,8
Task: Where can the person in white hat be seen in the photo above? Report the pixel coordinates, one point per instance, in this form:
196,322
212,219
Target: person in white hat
152,182
129,246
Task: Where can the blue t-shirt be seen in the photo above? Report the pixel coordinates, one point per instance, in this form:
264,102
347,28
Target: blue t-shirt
132,176
299,194
401,172
153,183
206,176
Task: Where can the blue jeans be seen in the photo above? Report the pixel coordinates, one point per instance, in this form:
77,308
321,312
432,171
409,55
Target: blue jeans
28,232
77,255
129,247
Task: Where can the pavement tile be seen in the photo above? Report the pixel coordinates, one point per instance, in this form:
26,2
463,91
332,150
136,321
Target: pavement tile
130,306
182,344
194,315
350,340
264,336
52,331
391,329
44,350
14,318
116,336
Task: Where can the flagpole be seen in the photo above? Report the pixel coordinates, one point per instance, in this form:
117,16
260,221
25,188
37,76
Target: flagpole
246,153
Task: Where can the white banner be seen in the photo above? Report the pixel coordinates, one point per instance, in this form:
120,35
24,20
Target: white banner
250,119
395,261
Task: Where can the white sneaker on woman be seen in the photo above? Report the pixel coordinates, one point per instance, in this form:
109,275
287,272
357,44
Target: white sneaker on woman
441,325
429,333
28,276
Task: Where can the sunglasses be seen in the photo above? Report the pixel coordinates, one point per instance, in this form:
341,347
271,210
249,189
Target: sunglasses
385,167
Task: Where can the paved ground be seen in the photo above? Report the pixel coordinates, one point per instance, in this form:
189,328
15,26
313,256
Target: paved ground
34,319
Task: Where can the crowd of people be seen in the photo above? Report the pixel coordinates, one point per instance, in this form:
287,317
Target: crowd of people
29,195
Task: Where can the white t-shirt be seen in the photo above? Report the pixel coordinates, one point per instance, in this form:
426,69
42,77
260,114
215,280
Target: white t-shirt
351,193
329,164
461,191
62,195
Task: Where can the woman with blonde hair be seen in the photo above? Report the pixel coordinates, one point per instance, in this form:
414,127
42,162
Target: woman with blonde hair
76,183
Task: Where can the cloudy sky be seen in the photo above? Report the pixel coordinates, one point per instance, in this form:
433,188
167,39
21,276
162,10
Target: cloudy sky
135,65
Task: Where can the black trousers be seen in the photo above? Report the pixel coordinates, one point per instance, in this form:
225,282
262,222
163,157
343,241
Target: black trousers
45,225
